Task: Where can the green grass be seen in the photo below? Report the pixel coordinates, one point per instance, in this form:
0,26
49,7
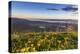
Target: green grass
43,41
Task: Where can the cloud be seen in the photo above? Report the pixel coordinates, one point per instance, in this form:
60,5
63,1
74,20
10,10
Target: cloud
53,9
70,8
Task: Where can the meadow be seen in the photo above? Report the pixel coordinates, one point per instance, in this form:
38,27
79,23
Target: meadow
43,41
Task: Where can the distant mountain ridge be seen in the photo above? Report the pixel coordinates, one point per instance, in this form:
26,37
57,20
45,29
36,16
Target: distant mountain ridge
48,20
18,24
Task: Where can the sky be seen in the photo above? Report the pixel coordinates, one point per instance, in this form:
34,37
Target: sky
31,10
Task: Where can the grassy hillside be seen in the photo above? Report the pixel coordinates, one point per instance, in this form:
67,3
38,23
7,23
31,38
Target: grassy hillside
45,41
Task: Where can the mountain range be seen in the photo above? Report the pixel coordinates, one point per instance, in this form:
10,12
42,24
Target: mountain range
37,25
